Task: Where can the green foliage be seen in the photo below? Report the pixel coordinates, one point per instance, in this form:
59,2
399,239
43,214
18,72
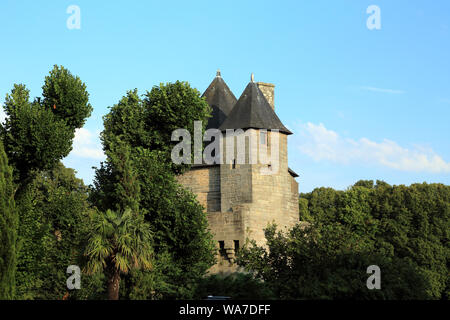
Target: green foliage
121,241
66,96
118,243
303,210
34,139
38,134
8,229
237,286
54,216
184,249
50,201
151,285
137,142
170,107
125,120
364,183
116,184
403,230
149,122
328,263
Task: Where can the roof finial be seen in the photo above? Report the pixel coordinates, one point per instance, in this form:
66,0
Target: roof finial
218,73
252,77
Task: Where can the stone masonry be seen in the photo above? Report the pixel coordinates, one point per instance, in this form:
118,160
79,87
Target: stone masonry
239,200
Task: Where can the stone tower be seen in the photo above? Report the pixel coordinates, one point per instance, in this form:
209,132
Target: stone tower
242,195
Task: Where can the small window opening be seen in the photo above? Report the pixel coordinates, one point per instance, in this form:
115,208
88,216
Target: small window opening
236,246
222,251
263,137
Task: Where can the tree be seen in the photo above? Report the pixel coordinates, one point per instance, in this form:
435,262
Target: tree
116,184
34,138
170,107
125,120
141,130
8,229
118,242
54,220
120,239
401,229
149,122
364,183
328,262
38,134
66,96
184,249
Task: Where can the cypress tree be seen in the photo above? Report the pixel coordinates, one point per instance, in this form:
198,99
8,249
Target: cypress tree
8,229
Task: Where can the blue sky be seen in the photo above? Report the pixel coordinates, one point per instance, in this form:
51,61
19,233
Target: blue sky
363,104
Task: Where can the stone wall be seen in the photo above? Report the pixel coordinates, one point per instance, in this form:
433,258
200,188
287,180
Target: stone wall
274,194
228,229
240,201
235,178
205,183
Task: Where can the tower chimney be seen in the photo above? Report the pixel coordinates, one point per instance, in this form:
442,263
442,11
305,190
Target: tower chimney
268,90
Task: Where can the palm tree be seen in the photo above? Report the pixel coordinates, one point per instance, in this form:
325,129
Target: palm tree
118,243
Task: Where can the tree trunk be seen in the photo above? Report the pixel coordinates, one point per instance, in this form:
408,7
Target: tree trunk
113,285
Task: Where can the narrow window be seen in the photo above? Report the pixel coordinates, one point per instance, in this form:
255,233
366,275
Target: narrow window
222,251
234,164
263,137
236,246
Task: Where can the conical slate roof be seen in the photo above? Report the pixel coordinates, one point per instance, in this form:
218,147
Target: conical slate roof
253,111
221,100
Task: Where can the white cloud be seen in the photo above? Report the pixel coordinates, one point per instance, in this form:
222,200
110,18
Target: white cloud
320,144
87,145
374,89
